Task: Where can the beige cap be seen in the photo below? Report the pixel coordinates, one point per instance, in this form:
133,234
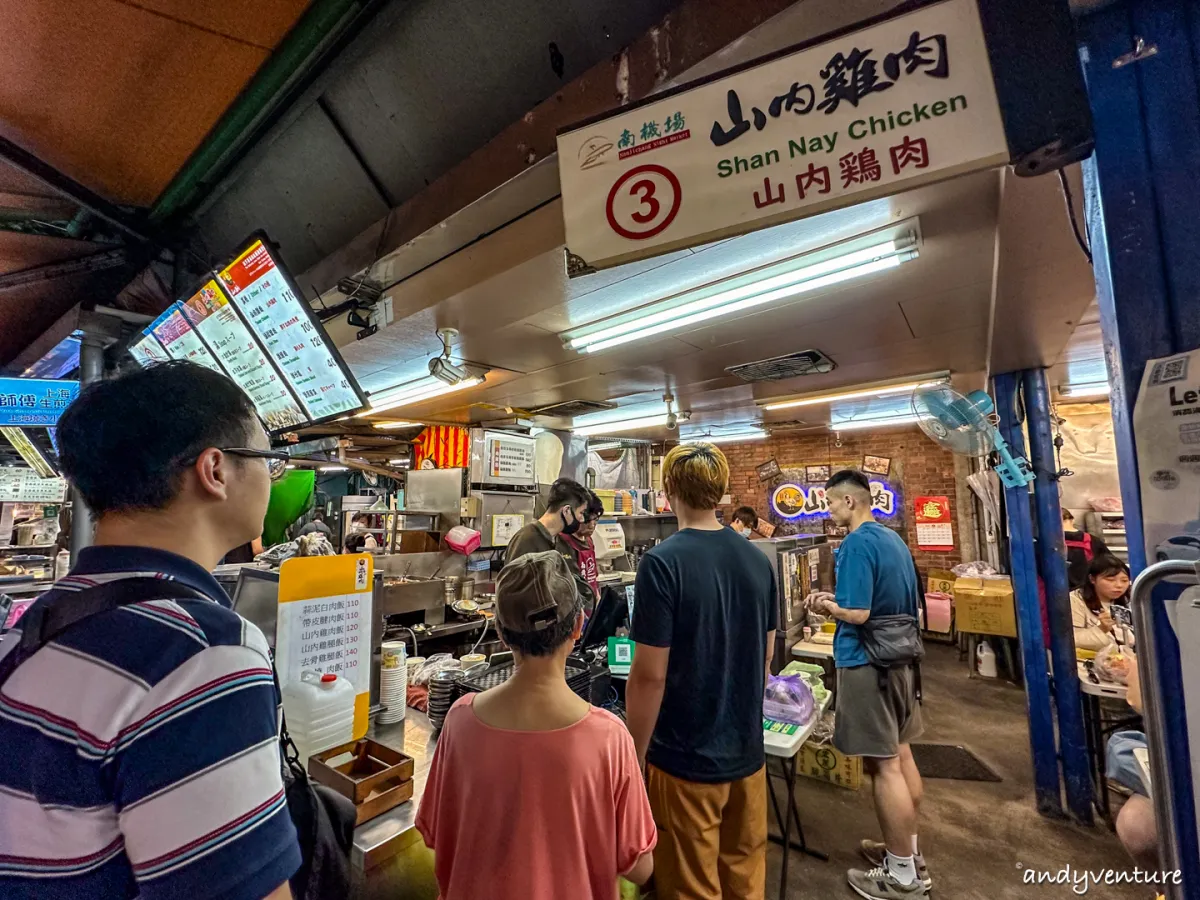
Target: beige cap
534,592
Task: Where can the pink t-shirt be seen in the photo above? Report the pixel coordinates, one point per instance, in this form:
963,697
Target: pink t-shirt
534,815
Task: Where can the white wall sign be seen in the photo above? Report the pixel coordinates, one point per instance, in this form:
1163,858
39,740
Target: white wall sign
1166,426
892,106
26,486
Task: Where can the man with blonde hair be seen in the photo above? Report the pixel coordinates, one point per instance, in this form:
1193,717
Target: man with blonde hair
704,623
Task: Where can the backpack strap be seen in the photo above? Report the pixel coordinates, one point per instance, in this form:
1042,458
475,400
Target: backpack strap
50,617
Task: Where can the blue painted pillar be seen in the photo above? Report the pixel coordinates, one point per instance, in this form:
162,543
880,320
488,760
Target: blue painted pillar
1052,564
1142,196
1029,617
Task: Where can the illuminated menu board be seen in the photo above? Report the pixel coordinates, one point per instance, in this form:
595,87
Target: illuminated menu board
148,351
179,340
285,326
214,319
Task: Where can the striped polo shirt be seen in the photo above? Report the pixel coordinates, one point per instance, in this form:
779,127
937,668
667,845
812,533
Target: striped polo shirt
139,752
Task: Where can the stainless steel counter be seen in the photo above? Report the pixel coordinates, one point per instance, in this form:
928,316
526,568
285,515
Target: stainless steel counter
386,835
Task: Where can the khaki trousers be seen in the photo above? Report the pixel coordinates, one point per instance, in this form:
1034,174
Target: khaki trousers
712,838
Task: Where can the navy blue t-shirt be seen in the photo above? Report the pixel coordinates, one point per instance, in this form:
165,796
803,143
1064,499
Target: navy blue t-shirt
711,598
874,571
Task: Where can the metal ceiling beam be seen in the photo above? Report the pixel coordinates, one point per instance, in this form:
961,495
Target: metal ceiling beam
96,262
693,32
319,34
68,187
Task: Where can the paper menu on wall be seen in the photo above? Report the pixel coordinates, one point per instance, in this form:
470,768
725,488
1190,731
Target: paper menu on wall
279,318
148,351
214,319
180,341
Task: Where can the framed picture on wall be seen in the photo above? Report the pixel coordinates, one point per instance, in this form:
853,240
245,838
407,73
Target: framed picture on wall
816,474
769,470
876,465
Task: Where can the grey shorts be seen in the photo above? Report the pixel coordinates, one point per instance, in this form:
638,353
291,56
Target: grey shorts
872,721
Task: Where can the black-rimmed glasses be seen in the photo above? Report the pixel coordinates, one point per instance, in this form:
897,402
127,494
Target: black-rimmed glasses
277,460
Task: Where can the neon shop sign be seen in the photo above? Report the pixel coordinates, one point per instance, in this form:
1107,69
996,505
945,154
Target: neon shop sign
794,501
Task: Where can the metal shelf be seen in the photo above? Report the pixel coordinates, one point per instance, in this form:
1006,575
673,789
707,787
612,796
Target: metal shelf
27,546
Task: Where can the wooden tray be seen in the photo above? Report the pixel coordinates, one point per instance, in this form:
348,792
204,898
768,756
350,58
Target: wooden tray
388,795
372,769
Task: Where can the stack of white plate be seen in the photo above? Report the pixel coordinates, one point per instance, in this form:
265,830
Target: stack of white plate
393,683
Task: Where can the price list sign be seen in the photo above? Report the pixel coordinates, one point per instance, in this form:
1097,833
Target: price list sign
180,341
284,325
148,351
510,459
215,320
26,486
324,623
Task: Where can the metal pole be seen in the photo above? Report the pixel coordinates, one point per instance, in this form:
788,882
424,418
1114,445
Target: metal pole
1155,710
1043,747
1052,564
91,368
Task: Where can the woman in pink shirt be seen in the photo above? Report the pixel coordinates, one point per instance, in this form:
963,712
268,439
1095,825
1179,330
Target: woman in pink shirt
533,793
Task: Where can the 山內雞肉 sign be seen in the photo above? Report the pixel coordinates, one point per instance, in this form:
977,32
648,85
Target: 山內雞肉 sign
905,102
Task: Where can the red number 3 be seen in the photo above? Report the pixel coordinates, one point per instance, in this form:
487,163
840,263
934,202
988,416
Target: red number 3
648,200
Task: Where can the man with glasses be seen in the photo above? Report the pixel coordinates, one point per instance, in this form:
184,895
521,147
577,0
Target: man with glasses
142,755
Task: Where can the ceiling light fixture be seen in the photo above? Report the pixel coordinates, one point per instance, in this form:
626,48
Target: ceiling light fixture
604,428
1089,389
389,426
415,391
756,434
882,390
768,284
334,469
400,462
878,422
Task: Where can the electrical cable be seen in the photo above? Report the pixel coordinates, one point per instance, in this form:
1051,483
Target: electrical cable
483,634
1079,238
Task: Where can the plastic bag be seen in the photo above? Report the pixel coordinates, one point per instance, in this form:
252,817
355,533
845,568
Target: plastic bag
788,699
1112,664
977,569
437,663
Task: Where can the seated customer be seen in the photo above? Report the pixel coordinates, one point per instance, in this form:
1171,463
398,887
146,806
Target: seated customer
1136,826
1107,583
533,794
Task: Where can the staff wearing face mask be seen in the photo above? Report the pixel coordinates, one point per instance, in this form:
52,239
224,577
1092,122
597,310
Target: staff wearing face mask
565,511
580,553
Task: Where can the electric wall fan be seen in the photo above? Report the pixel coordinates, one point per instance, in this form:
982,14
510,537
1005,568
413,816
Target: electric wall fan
965,425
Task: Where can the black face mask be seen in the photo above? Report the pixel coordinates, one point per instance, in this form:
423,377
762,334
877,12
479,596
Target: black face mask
570,526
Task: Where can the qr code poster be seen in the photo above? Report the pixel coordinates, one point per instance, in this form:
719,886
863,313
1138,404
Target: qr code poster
1167,370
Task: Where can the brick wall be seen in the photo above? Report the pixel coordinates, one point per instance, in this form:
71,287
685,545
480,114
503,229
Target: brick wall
927,469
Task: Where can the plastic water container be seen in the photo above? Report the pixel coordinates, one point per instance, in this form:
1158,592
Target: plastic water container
320,712
987,660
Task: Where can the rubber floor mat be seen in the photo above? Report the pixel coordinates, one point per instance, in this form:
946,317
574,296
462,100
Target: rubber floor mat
950,761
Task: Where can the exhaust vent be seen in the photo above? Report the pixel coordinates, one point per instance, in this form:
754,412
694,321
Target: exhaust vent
806,362
569,409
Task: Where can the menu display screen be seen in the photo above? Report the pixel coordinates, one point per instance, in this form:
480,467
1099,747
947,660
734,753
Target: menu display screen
284,324
148,351
215,320
179,340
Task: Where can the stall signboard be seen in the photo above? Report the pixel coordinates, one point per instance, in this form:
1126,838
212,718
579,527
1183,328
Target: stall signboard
294,340
34,402
180,340
934,529
509,459
904,102
18,485
796,501
324,623
218,323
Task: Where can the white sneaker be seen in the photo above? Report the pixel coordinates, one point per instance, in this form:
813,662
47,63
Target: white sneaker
880,884
875,852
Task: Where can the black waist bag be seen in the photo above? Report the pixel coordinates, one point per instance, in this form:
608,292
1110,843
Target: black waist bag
893,642
324,819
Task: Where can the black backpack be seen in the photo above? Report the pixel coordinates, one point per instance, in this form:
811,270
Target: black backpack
323,818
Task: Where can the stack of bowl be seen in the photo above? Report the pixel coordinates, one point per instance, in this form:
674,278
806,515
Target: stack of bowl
442,690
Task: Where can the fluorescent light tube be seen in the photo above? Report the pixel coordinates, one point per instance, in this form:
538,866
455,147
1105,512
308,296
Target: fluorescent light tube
334,469
419,393
881,391
605,428
388,426
1091,389
725,438
879,422
702,304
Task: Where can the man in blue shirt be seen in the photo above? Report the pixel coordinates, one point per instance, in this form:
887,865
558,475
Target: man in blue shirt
878,711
